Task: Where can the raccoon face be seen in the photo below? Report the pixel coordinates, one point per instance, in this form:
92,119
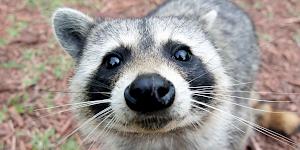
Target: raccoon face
142,75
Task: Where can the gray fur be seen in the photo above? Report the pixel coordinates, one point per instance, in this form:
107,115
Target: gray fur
229,37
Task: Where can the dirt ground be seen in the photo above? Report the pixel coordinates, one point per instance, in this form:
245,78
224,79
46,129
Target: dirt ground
33,66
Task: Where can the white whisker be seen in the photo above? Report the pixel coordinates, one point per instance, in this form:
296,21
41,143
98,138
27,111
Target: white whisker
238,104
86,103
242,91
102,132
243,98
85,123
264,131
97,126
70,109
107,93
219,117
196,87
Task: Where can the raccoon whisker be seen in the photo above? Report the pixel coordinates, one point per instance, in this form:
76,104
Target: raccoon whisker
257,92
107,114
266,92
256,127
67,92
272,134
107,128
94,141
210,59
55,113
244,98
245,83
69,109
235,81
114,122
193,123
219,118
229,121
75,105
103,131
199,122
225,100
206,72
242,91
190,81
85,123
88,136
100,84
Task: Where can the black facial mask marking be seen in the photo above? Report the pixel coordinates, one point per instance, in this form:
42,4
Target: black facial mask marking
195,72
103,80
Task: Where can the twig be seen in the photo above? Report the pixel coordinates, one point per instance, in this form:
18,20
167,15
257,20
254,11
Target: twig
289,21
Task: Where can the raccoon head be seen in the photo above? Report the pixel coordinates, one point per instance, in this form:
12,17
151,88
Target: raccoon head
141,75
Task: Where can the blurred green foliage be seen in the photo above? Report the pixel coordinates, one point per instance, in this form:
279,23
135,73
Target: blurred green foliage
41,140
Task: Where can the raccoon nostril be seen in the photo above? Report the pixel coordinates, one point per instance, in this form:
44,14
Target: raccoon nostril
149,92
162,91
137,92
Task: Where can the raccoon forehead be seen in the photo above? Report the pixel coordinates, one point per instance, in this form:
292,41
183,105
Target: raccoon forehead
145,32
118,32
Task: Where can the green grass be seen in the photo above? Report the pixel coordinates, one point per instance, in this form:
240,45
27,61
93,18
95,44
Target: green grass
265,37
30,54
2,145
296,37
33,74
47,7
243,4
30,81
270,15
41,141
3,113
11,64
17,101
62,65
15,30
32,69
3,42
293,11
70,144
48,99
258,5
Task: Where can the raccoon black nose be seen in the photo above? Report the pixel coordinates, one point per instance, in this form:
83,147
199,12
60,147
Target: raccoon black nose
149,93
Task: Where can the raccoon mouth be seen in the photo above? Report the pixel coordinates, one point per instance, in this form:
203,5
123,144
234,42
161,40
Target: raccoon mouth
152,123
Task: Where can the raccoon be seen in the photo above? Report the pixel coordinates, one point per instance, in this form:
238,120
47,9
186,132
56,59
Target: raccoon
169,80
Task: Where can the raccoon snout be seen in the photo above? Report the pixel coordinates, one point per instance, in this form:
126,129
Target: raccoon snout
149,93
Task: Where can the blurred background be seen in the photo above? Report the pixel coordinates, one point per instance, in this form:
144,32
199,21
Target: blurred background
33,66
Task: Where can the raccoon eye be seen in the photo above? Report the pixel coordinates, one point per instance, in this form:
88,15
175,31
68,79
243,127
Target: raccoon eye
182,54
112,61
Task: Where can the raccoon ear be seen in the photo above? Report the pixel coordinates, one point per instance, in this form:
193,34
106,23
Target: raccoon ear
209,18
71,29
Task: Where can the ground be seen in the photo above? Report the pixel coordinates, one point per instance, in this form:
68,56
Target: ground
33,67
